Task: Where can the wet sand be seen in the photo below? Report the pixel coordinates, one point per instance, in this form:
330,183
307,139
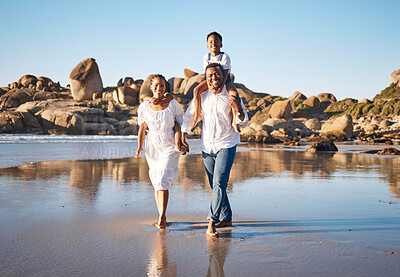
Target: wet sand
295,214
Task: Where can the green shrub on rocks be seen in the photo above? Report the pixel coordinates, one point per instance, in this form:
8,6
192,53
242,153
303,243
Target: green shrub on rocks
391,92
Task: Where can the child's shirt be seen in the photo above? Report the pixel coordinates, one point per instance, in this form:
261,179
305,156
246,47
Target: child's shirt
223,59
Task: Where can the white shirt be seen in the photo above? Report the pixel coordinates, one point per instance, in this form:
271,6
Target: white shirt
217,130
225,61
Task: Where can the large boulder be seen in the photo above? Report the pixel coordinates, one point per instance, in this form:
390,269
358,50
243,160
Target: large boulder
395,77
280,109
189,73
15,97
339,127
327,145
175,84
145,88
276,124
62,121
27,80
44,95
297,96
128,95
18,122
326,97
313,124
191,83
85,80
312,102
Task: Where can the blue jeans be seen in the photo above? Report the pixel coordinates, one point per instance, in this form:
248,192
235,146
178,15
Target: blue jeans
218,167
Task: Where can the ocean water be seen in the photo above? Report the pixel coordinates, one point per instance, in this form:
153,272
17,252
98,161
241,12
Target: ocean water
75,207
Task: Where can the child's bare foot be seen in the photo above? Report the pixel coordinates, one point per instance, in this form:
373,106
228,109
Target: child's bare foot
196,120
236,127
211,231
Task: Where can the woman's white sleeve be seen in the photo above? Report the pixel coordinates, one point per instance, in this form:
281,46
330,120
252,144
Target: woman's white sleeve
178,112
141,114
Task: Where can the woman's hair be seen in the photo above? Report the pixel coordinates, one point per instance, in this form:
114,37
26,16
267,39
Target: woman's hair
167,87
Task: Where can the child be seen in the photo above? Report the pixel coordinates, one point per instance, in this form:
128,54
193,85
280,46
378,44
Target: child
161,143
214,44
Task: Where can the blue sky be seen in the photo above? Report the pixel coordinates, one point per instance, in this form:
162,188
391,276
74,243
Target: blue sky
348,48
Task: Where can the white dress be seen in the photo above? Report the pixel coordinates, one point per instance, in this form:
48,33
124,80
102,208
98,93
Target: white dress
160,152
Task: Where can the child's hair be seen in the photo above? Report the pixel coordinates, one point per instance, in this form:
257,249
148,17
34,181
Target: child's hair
214,34
210,65
167,87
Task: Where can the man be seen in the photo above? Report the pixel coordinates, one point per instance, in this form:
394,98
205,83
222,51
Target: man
219,140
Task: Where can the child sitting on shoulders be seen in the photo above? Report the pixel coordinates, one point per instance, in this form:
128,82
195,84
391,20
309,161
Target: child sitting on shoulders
214,44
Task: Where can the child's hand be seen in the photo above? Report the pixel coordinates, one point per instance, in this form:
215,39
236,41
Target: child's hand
155,101
140,150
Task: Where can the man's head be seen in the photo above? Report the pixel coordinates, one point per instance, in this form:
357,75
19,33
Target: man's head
214,43
214,77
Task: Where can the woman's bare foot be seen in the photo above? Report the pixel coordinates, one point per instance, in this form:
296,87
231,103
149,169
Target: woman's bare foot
211,231
162,223
222,224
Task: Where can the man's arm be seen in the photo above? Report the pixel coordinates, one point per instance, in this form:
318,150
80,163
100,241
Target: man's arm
188,119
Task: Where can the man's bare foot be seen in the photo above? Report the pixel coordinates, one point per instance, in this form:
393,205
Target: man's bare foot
222,224
211,231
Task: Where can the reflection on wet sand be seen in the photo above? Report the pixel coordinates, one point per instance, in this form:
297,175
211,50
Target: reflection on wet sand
86,175
217,251
158,262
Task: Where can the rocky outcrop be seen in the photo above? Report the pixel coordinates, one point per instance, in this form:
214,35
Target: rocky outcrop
27,80
85,80
175,84
190,83
280,109
322,146
145,88
245,93
189,73
341,127
75,118
312,102
395,77
128,95
18,122
326,97
313,124
385,151
297,96
15,97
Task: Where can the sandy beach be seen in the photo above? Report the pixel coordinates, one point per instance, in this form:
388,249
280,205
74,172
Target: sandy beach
295,214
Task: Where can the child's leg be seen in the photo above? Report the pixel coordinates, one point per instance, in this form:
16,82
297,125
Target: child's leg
162,202
230,87
202,87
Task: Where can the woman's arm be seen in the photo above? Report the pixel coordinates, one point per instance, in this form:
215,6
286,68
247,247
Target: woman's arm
141,134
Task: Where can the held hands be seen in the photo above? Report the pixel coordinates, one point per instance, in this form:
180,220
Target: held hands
184,144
